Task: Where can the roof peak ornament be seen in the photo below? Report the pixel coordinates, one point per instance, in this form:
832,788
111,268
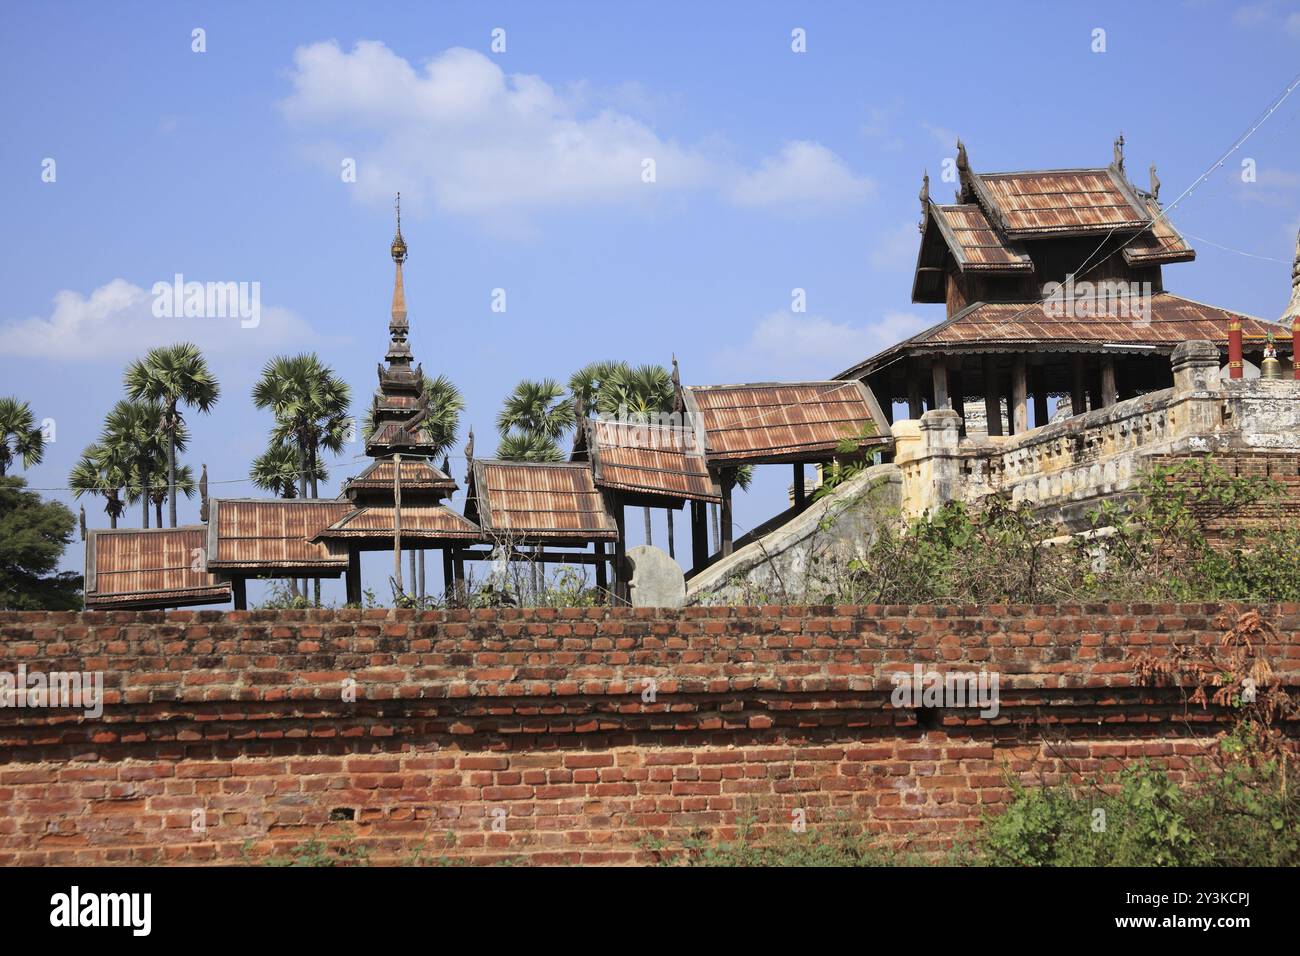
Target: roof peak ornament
1155,183
398,248
1292,311
1117,159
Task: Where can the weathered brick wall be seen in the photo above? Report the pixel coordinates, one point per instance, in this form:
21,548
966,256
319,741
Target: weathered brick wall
1280,511
460,715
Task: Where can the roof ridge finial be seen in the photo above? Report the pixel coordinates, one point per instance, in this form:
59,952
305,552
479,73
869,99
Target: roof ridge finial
1118,159
1155,183
398,248
925,199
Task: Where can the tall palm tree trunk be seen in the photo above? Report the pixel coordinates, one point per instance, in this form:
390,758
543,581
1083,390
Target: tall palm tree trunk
171,465
672,552
157,511
144,498
315,492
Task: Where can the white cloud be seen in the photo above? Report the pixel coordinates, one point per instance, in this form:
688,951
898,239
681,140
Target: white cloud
788,346
803,173
464,136
945,137
117,320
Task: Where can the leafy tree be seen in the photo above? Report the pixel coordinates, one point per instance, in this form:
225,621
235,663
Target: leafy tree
587,382
173,376
18,426
276,470
33,536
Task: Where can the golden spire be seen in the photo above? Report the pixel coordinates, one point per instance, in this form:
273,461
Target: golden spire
398,250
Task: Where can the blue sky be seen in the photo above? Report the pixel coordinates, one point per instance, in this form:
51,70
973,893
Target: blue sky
521,170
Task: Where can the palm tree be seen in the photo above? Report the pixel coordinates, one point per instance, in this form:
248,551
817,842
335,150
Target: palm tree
19,425
172,376
158,493
276,470
585,384
310,404
100,472
532,420
133,435
638,394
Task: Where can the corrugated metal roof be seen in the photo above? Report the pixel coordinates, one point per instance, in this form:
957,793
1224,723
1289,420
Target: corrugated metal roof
653,459
1062,202
783,420
975,244
273,533
161,567
540,500
417,475
426,522
1159,244
1173,320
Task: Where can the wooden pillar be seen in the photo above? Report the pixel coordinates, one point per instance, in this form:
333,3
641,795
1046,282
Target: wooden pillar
448,573
620,555
699,534
1235,369
352,577
602,577
1038,381
957,396
992,397
1019,412
239,591
458,574
914,408
728,482
939,375
1108,390
799,494
397,524
1078,389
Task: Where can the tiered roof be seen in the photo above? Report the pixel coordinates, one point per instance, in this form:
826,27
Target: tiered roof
665,461
538,501
266,534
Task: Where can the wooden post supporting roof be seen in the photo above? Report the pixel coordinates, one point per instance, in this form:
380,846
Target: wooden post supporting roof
620,555
1109,391
1040,397
699,534
397,523
728,482
939,376
239,590
352,576
1078,386
800,495
992,397
1019,412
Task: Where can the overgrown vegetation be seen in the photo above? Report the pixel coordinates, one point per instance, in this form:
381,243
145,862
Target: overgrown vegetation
1193,532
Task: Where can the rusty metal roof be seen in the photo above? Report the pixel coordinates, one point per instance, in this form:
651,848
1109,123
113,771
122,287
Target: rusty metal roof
155,567
417,475
538,500
1003,326
976,245
650,459
1075,202
258,533
1159,244
784,421
423,522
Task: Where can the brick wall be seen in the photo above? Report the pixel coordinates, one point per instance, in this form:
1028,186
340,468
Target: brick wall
240,721
1280,511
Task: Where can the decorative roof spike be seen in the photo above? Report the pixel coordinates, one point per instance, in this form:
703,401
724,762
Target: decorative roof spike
398,248
924,196
967,191
1118,160
1155,184
469,456
679,398
1292,312
203,494
446,465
